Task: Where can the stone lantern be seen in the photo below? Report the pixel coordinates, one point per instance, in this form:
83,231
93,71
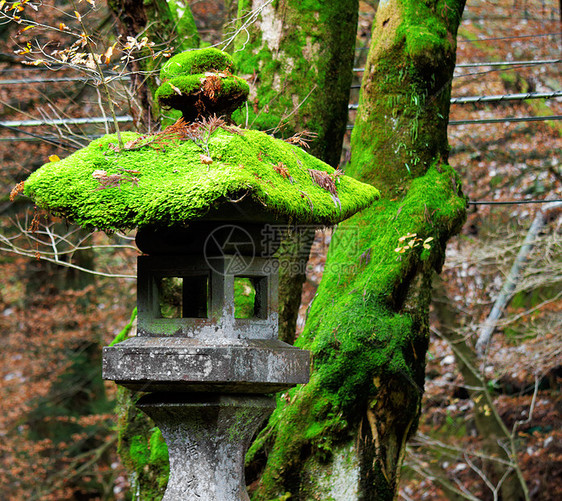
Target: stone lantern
209,201
207,370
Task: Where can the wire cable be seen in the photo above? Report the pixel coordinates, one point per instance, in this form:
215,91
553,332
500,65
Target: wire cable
49,80
506,97
512,202
497,120
471,40
504,120
37,137
495,38
496,98
494,63
508,63
65,121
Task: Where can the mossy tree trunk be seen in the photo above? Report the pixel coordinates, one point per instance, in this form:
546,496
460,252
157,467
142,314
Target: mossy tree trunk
368,326
298,57
161,22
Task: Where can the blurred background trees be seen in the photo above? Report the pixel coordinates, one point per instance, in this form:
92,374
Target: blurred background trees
484,417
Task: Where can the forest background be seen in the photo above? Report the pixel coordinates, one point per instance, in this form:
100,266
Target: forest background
57,420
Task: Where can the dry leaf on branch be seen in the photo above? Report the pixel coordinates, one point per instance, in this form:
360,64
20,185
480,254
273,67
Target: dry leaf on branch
205,159
324,180
18,188
212,86
327,182
114,180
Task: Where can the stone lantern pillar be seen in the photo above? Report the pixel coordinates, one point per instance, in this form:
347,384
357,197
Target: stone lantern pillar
204,196
208,373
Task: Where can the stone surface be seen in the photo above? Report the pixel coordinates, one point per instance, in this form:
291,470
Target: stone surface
217,365
207,438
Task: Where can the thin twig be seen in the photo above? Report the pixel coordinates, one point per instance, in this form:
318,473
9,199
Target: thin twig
483,476
101,76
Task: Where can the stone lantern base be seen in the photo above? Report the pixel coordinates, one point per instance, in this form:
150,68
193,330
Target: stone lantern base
208,400
207,437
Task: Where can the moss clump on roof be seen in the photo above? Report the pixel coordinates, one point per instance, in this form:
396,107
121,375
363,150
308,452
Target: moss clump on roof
163,181
196,61
201,83
208,94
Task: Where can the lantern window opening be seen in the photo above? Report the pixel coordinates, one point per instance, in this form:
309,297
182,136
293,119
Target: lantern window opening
250,297
186,296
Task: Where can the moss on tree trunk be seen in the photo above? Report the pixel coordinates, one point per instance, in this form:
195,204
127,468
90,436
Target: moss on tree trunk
401,125
368,326
299,56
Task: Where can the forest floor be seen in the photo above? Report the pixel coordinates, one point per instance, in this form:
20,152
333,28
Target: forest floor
50,319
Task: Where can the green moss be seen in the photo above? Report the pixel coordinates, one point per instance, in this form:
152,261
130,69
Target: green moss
372,334
139,451
244,298
196,61
425,29
185,83
404,105
199,83
158,448
187,92
171,186
142,449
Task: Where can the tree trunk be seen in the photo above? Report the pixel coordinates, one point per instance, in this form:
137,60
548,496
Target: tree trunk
369,350
299,58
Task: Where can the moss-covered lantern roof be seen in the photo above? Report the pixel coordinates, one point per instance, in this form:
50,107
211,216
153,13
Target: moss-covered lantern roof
205,168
